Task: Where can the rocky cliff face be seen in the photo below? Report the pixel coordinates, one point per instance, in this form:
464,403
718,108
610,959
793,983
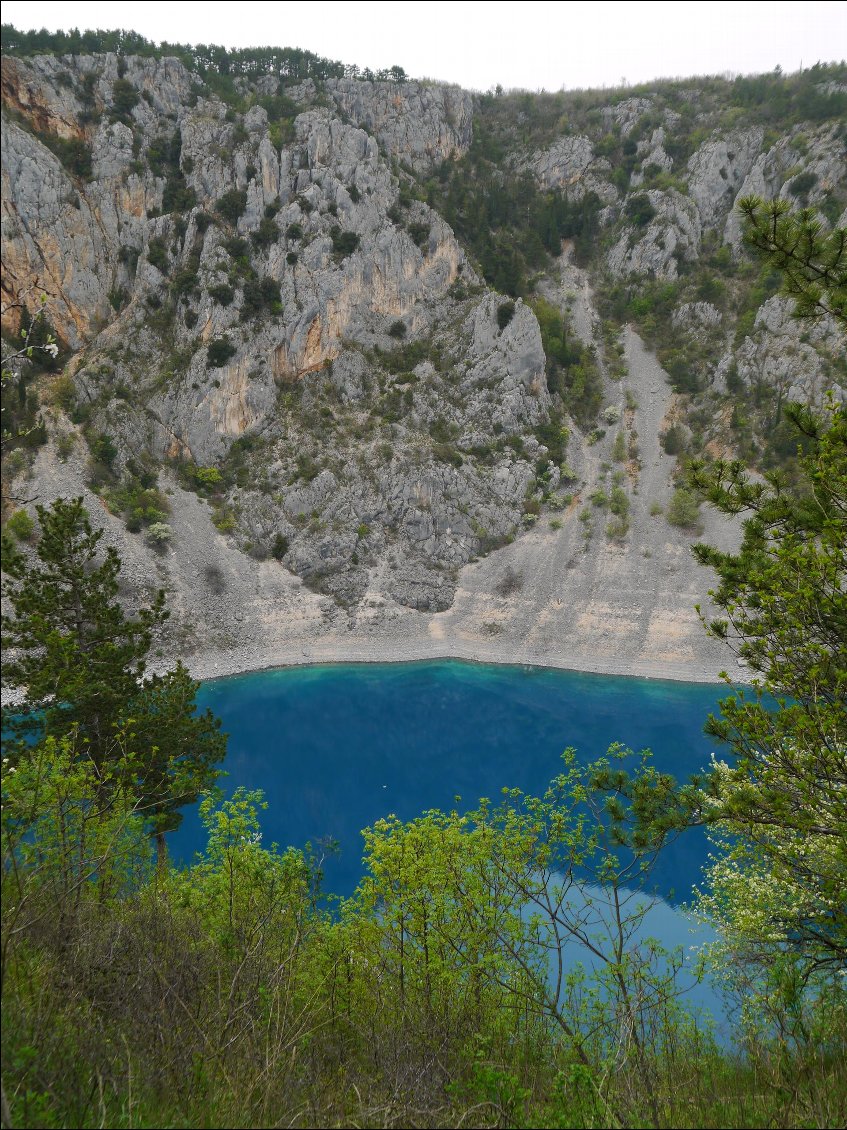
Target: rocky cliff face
355,345
262,294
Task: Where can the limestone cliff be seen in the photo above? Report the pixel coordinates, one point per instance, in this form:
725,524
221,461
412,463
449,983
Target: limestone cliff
277,294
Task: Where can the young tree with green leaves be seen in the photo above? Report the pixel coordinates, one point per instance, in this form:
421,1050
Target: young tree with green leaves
533,909
779,890
783,604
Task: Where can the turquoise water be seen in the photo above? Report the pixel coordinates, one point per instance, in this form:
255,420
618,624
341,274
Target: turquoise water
336,747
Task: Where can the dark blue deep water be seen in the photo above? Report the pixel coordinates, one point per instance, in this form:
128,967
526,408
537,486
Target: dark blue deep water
336,747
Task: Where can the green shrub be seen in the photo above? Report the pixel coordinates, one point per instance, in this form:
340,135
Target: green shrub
222,293
157,254
224,519
232,204
128,256
446,453
21,525
73,152
260,295
684,510
505,313
177,195
419,233
308,467
674,440
344,243
124,100
639,210
206,477
618,528
441,431
279,547
219,352
159,534
619,502
103,449
185,281
267,234
397,329
801,185
65,445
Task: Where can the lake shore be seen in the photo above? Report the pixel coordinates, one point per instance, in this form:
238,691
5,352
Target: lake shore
244,659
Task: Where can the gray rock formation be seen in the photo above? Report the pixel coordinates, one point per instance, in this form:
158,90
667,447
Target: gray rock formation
673,234
263,292
797,360
570,164
417,123
718,170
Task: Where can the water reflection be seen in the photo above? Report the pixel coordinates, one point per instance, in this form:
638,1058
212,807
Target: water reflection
594,925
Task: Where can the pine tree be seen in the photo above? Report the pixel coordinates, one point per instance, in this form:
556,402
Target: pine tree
79,663
69,647
813,262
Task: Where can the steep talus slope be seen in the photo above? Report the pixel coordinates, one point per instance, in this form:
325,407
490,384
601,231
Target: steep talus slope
284,355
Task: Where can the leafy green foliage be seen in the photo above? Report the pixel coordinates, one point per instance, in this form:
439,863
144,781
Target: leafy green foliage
73,152
639,210
683,509
268,233
784,609
124,100
157,254
505,313
222,293
572,369
280,547
69,645
508,223
185,282
261,295
219,352
80,663
21,525
138,500
231,205
344,243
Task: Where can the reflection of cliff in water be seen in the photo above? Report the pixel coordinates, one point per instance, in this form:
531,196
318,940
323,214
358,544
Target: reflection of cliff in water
661,947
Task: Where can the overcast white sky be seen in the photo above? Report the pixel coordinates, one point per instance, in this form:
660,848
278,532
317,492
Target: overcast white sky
529,45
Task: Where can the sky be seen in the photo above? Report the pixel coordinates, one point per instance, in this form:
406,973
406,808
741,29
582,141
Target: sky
531,45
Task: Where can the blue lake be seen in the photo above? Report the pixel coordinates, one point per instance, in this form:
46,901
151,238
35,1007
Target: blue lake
336,747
